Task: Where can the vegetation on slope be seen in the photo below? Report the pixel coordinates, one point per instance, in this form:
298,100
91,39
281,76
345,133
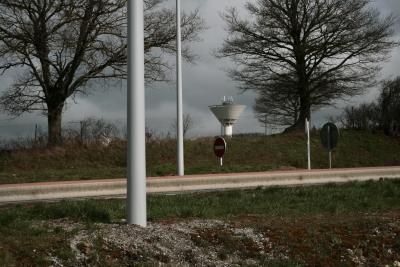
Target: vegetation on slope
246,153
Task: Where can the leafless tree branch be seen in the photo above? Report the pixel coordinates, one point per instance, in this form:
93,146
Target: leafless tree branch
330,49
61,45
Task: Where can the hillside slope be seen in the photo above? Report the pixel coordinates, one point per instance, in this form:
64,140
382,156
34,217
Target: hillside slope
245,153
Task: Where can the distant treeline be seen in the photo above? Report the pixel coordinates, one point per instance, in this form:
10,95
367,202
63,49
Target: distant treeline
382,114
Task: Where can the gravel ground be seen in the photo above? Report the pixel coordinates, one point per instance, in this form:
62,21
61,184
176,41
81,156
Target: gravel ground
356,240
194,243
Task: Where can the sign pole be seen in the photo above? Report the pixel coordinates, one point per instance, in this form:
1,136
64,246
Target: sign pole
308,144
329,147
180,156
222,161
136,187
265,125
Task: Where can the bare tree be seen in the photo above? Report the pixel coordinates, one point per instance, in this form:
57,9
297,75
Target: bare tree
389,103
160,37
94,129
383,114
279,106
187,124
56,47
328,49
366,116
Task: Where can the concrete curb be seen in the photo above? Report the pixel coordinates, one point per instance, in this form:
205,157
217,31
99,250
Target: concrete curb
117,187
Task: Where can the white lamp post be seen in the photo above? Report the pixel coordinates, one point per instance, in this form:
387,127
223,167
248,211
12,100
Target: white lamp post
179,128
136,189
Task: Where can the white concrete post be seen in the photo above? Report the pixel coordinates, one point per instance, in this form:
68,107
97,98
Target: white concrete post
308,144
136,187
180,151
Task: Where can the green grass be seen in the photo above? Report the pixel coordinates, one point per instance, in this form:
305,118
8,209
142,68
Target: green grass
23,243
245,153
332,199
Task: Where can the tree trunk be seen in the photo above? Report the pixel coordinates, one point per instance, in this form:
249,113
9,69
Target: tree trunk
305,101
304,114
54,124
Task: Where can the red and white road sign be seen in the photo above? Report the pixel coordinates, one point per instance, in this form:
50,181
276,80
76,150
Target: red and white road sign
219,147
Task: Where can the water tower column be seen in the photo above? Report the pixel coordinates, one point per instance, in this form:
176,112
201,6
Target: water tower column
228,130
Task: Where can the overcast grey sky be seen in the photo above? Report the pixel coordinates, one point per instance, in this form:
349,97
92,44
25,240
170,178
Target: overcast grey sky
204,84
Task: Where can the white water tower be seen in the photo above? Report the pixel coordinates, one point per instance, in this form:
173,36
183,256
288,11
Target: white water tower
227,113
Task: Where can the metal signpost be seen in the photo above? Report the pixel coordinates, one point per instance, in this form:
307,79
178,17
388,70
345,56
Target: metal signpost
220,149
308,144
136,188
329,139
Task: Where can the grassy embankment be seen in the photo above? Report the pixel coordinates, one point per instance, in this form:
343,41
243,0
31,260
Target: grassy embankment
245,154
315,226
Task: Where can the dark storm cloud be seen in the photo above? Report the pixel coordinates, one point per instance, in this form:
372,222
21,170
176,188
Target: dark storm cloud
205,83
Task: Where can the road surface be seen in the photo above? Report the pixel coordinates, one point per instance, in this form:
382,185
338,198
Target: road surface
15,193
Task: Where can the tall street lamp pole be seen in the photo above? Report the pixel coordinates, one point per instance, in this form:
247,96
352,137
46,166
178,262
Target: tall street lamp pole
179,135
136,187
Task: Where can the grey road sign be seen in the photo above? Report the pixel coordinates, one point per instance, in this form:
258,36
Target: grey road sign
329,136
329,139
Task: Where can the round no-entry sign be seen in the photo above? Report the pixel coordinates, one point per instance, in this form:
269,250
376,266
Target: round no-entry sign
219,147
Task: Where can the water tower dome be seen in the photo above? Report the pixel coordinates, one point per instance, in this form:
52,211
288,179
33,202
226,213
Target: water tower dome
227,113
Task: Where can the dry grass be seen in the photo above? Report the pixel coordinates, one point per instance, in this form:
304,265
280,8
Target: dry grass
245,153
